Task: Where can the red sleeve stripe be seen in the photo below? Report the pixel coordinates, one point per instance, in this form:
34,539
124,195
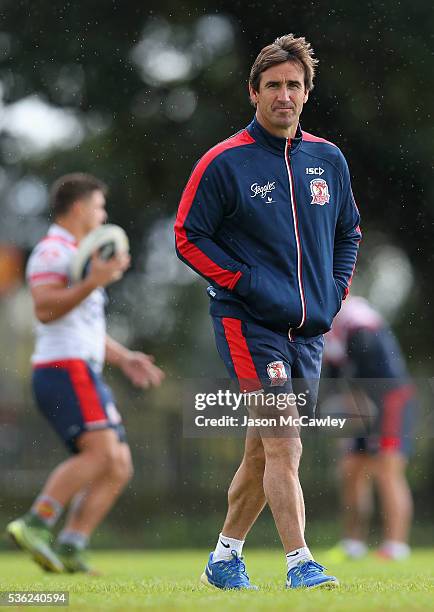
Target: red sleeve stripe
47,276
311,138
350,280
241,356
347,288
197,258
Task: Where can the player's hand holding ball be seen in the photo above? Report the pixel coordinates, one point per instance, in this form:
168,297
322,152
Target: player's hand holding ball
104,272
102,256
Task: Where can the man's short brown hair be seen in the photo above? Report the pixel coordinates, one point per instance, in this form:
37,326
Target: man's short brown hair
72,187
285,49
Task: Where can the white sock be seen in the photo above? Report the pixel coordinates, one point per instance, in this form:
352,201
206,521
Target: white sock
224,548
293,557
354,548
73,538
395,550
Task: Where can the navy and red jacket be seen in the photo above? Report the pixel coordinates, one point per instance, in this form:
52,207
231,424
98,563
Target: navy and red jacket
272,224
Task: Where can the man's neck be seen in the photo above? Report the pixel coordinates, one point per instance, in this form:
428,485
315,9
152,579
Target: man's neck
288,132
71,226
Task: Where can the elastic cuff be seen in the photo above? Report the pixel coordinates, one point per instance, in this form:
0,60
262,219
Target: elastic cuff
343,290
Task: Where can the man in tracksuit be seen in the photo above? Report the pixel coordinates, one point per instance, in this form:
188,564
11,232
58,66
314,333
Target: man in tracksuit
269,219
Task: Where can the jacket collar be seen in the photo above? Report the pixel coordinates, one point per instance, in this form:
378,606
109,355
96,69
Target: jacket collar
275,144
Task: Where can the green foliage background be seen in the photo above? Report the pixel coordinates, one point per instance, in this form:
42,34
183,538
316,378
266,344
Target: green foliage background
373,98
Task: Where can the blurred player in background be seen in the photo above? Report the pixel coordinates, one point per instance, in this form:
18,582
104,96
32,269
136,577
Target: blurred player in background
71,348
362,346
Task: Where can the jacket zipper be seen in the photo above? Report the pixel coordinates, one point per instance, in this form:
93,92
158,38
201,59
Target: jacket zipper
297,236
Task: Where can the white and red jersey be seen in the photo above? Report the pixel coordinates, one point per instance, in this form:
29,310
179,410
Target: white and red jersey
356,313
81,333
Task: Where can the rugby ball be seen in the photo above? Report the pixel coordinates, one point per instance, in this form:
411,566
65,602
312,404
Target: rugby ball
108,240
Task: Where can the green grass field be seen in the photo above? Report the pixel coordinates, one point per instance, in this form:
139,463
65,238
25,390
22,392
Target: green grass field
170,580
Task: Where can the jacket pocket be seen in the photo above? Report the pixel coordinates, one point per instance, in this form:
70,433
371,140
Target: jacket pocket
322,306
271,298
247,281
333,303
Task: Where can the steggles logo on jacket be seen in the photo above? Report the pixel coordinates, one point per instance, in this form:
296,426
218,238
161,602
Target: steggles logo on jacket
319,191
263,190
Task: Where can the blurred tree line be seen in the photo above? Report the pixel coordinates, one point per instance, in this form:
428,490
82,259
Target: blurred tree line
155,85
146,88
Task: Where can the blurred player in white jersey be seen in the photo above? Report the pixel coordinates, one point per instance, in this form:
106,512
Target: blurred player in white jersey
362,349
71,348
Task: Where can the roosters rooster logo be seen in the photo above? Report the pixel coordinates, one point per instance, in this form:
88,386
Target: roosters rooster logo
319,191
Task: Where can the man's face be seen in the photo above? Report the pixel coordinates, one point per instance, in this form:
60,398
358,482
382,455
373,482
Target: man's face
280,98
92,211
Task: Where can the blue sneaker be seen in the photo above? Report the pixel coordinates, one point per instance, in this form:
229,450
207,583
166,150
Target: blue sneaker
309,574
227,574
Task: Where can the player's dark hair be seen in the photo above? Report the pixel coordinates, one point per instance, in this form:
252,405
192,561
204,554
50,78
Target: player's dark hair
285,49
72,187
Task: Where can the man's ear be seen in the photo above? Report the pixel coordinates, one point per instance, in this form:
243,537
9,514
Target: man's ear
77,208
306,96
253,95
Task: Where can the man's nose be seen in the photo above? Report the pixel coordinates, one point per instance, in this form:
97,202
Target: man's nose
284,94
